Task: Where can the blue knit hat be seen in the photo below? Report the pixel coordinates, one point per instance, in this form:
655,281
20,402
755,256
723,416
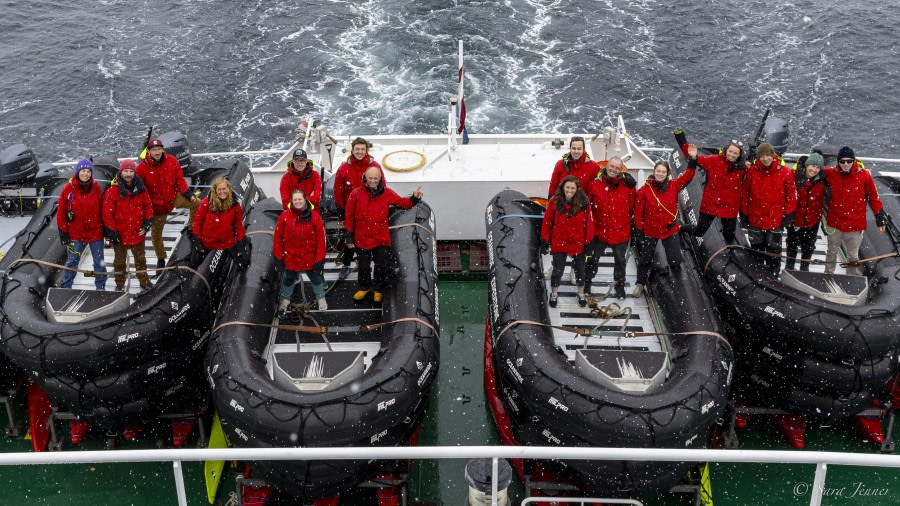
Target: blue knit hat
84,164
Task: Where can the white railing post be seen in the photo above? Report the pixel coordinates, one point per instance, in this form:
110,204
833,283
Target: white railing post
179,483
818,484
495,469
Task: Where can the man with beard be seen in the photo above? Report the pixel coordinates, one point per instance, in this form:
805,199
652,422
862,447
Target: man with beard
164,181
127,216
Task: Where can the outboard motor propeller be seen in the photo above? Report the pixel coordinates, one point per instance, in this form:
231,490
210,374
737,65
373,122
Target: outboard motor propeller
776,133
176,144
18,165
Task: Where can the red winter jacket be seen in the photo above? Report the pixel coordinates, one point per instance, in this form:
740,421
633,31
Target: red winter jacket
299,239
163,181
722,193
768,195
221,230
367,215
567,232
656,205
349,177
849,193
612,206
584,169
306,180
125,210
86,204
810,199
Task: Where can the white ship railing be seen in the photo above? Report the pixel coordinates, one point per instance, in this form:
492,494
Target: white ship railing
263,153
821,459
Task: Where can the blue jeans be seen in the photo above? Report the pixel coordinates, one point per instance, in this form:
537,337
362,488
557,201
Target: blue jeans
73,258
290,278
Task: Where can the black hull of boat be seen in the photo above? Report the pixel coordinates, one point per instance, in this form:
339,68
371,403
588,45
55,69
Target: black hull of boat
809,356
382,408
534,378
123,368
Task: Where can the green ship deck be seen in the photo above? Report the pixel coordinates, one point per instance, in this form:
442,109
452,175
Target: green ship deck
458,416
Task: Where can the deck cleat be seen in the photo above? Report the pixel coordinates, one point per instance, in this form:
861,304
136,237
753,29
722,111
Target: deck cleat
870,428
181,429
78,429
793,428
130,432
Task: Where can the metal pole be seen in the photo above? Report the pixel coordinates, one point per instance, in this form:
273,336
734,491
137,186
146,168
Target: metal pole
818,485
179,483
494,470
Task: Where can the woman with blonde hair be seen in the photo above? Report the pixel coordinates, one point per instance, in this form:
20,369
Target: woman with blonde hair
219,222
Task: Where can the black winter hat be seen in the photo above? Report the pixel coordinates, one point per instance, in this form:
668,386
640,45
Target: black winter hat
846,152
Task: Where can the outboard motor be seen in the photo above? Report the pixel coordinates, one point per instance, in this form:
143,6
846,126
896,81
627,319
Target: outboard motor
105,167
176,144
18,165
775,132
829,153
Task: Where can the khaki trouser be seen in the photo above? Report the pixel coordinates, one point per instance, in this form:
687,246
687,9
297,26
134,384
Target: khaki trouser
140,262
159,221
851,241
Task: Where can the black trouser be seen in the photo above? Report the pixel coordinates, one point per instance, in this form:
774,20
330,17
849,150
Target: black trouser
769,241
559,263
672,247
619,252
805,239
704,222
384,267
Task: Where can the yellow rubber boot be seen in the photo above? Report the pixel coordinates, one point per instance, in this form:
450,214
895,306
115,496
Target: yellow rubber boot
377,297
360,294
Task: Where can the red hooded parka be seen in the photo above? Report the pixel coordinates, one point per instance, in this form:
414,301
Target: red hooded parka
299,239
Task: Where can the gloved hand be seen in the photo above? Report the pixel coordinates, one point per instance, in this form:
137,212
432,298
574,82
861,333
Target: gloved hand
545,247
196,242
279,264
146,226
112,235
630,181
188,195
745,220
637,235
64,238
319,267
881,219
787,220
348,238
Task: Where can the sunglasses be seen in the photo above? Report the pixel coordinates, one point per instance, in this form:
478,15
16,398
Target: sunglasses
845,161
737,143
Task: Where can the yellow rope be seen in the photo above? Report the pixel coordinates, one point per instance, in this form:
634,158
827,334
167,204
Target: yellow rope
386,165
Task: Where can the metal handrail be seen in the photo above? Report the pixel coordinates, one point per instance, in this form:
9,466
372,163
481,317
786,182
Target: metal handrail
177,456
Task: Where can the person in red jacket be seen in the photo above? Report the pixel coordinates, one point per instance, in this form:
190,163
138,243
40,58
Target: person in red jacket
768,202
301,175
367,230
164,180
219,224
568,227
80,221
851,187
612,197
574,163
803,230
722,193
349,177
656,218
127,216
299,246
